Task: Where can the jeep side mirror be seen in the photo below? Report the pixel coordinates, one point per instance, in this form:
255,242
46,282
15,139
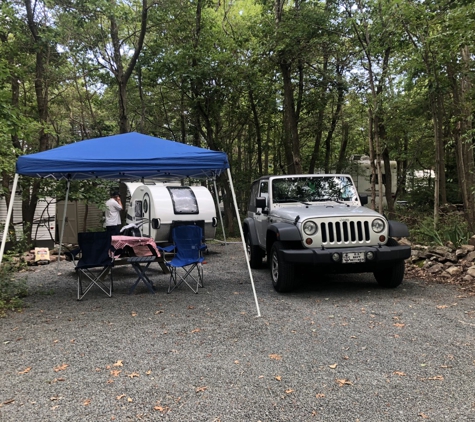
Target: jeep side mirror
364,199
261,202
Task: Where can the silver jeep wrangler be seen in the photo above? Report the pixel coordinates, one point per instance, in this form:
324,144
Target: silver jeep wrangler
319,220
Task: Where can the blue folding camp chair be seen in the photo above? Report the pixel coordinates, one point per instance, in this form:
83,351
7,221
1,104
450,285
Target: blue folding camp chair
95,262
187,264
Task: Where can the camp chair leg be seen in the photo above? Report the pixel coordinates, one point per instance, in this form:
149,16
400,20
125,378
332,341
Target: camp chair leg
176,279
95,279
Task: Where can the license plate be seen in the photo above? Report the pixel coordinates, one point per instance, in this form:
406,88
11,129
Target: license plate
353,257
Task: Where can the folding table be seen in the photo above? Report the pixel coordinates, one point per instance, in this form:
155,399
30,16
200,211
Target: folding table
146,252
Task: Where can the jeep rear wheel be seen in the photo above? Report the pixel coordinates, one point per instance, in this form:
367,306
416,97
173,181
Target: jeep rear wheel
254,253
282,273
391,277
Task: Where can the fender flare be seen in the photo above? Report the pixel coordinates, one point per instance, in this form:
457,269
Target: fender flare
285,232
250,229
397,229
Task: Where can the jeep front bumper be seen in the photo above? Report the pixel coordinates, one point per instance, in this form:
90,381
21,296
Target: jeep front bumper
381,256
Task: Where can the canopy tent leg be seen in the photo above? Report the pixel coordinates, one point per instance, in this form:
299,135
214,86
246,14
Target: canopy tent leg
219,210
243,241
9,216
63,223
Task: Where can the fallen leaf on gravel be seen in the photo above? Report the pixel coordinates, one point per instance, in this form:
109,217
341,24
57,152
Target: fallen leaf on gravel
115,372
118,363
196,330
133,375
333,366
275,356
320,396
289,391
400,373
148,372
278,378
423,416
120,397
442,306
161,408
200,389
86,402
342,382
134,314
129,400
399,325
25,371
61,367
436,378
159,312
236,362
191,307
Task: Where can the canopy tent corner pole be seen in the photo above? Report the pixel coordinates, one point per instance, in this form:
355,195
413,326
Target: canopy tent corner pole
9,216
219,210
243,241
63,223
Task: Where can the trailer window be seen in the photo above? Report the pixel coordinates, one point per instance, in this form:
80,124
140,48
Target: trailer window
184,200
138,209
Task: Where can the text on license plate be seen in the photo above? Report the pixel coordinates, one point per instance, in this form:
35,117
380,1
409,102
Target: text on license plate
352,257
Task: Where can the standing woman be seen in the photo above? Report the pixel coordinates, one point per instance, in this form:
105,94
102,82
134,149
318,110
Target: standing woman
113,209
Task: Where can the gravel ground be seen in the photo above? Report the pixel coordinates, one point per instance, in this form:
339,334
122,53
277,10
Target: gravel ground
340,350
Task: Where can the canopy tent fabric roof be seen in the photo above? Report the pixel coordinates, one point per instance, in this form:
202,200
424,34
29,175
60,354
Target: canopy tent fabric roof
125,156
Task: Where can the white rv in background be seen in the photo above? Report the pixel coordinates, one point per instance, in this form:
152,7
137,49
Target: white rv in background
361,172
44,222
157,207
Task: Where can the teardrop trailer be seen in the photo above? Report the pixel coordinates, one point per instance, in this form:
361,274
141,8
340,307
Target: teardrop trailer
156,208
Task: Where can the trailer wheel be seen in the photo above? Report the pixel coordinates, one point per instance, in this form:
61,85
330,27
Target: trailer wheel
254,253
282,273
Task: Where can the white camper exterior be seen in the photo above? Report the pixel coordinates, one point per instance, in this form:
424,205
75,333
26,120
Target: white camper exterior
158,207
44,224
361,172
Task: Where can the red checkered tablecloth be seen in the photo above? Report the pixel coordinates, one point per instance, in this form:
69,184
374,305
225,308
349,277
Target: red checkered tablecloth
138,244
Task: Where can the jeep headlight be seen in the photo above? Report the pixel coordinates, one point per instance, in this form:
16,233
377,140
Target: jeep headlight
378,225
310,228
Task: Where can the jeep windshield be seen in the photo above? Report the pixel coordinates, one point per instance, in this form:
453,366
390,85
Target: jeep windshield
313,189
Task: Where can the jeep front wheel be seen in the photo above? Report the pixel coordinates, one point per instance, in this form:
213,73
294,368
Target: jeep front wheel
254,253
282,273
391,277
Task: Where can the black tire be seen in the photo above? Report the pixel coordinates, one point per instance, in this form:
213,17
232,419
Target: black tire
391,277
282,273
254,253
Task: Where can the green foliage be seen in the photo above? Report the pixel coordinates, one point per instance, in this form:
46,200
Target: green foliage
12,290
452,228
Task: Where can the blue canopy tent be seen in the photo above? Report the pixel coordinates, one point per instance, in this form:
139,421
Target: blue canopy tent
128,156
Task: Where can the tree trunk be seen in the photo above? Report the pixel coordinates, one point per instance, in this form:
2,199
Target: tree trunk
122,75
461,88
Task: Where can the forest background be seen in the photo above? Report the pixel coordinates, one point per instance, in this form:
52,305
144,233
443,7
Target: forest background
281,86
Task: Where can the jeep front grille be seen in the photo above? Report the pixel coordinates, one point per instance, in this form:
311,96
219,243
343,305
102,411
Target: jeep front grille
352,232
